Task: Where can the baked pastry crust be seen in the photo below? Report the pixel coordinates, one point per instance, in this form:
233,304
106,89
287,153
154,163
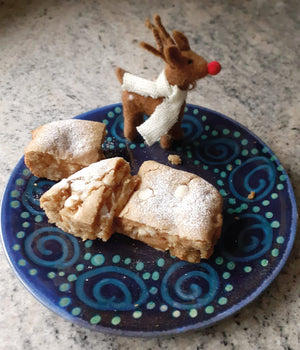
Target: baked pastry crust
173,210
61,148
85,203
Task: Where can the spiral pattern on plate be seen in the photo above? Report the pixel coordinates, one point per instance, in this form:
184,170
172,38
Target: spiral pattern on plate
256,174
117,129
192,128
186,286
217,151
111,288
34,190
246,239
64,249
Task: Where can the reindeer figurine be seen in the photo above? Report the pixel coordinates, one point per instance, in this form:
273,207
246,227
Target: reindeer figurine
162,100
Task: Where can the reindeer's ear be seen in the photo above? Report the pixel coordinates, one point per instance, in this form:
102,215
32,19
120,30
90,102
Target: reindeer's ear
181,40
173,56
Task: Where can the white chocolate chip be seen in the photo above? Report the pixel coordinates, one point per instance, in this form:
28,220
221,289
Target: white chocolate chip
181,191
75,197
78,185
106,181
70,202
146,231
145,194
142,232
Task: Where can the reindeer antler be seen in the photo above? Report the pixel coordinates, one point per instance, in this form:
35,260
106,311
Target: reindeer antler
165,36
181,40
161,36
156,35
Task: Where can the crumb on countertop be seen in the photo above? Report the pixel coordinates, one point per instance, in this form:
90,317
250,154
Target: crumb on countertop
174,159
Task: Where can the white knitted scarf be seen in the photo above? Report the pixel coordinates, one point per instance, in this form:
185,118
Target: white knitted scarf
165,114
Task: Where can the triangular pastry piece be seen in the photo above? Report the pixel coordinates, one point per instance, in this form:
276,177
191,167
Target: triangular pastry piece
86,203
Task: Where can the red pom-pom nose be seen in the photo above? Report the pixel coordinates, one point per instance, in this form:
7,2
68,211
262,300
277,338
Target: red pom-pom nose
213,67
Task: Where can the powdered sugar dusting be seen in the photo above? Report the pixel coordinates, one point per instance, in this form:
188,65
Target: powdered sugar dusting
66,138
180,200
86,179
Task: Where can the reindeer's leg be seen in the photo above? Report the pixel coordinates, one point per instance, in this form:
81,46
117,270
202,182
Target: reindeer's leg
166,141
130,123
132,116
175,133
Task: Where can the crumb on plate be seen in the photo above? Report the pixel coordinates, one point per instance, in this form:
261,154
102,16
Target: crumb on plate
174,159
251,195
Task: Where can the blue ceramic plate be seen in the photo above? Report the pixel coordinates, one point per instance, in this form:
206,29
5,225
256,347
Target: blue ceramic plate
125,287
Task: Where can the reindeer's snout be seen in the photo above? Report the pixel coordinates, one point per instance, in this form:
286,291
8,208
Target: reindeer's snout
213,68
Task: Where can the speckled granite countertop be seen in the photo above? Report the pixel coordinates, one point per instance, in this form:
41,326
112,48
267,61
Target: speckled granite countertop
57,60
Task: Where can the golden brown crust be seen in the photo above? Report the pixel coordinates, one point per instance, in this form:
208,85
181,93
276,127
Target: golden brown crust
61,148
173,210
85,203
